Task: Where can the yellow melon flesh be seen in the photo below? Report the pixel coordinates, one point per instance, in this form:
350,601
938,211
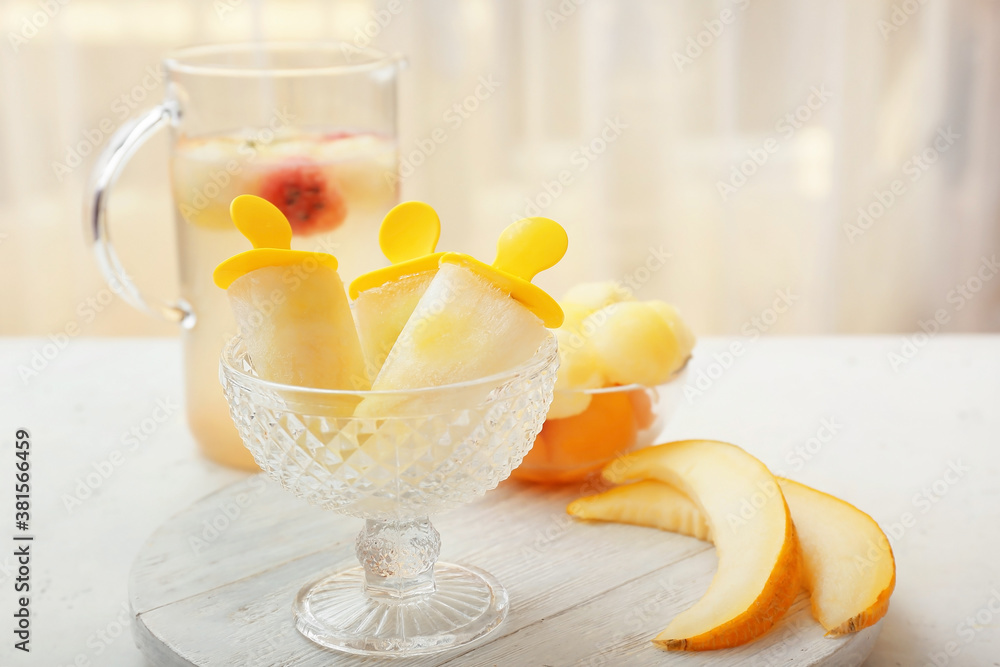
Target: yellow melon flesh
848,564
647,503
758,574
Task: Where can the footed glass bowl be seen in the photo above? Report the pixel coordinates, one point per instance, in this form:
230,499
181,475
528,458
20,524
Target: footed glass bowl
413,454
611,422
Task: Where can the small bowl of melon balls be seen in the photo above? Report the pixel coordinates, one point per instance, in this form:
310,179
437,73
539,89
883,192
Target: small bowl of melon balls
621,363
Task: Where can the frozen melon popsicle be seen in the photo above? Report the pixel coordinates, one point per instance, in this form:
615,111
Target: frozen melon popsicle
475,320
290,305
385,298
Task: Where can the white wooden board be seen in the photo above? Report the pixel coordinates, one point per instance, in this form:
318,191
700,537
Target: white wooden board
214,586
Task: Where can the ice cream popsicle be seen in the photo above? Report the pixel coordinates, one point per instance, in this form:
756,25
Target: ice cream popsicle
290,305
385,298
476,320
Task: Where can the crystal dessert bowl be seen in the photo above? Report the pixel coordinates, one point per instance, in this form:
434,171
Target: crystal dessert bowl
415,453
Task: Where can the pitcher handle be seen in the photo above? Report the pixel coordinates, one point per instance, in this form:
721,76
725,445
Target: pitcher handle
122,146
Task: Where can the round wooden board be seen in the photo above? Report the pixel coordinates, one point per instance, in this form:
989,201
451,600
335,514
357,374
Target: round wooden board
214,586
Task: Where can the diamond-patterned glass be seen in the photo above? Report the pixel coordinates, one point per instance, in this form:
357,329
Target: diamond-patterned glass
457,444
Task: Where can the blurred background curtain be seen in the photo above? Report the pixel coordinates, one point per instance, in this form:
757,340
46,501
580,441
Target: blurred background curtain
739,137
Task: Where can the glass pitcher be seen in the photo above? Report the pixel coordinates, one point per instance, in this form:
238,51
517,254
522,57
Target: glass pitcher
310,127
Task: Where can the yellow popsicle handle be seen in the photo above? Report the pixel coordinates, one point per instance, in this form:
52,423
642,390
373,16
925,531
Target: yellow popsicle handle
261,222
268,230
410,230
530,246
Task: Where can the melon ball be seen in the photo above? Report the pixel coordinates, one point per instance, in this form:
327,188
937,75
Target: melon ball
594,296
682,332
579,368
634,343
573,316
568,404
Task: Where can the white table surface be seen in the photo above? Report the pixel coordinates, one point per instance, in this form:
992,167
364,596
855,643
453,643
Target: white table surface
897,433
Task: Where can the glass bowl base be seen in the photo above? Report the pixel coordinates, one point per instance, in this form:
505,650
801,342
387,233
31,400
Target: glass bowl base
336,612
